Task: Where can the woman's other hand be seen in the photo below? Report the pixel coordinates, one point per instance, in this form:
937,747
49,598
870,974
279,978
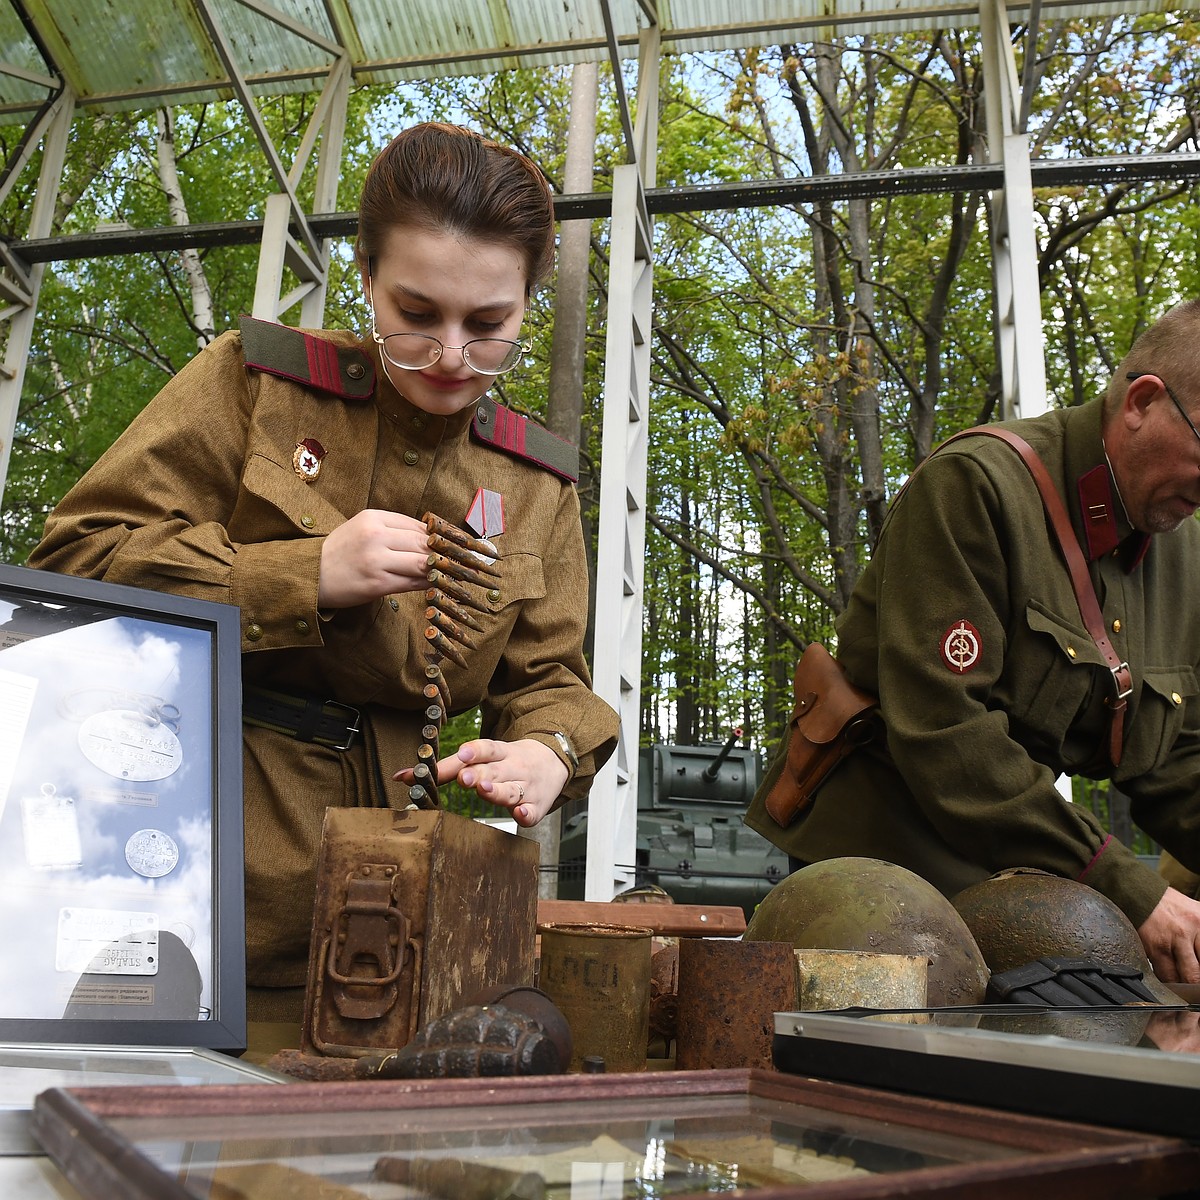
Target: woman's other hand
524,777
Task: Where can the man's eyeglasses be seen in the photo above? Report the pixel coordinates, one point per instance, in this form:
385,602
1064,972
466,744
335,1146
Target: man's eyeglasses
1174,399
416,351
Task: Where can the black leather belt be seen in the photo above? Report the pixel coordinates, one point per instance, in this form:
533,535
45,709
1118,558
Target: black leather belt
325,722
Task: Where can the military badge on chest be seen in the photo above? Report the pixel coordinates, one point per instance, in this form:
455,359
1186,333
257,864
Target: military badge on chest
306,459
485,517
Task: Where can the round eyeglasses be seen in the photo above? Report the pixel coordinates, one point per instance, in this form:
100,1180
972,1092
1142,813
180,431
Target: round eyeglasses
416,351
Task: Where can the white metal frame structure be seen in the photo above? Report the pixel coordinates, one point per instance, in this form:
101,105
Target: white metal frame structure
1014,240
308,255
19,284
612,821
219,40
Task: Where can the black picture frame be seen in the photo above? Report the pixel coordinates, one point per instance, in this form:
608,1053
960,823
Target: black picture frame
121,851
1131,1067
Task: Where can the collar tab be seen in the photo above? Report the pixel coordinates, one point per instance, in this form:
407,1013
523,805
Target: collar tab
1099,512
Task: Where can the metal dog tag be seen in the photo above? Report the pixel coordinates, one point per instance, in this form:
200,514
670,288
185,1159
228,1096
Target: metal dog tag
152,853
51,830
129,745
106,941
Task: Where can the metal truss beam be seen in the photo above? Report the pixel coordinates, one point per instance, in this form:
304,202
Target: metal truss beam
281,248
289,241
20,286
1047,174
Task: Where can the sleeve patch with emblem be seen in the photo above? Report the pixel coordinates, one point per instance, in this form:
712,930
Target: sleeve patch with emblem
961,647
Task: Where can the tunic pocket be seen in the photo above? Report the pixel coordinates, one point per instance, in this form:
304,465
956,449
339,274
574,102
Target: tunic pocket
305,511
1063,668
521,578
1161,710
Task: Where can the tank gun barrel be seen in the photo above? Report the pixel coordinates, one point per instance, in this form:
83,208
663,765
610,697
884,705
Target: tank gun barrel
714,768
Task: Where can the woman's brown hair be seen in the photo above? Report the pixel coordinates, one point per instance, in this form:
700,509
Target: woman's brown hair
446,178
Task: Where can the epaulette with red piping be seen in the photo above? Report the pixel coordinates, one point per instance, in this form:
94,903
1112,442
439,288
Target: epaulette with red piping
506,430
343,371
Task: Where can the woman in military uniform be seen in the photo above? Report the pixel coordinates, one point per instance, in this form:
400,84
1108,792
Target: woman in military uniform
288,472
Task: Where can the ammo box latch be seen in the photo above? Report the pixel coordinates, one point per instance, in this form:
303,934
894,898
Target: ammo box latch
372,940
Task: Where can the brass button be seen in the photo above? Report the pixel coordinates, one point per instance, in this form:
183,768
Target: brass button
394,603
1117,626
307,521
253,632
411,457
418,422
356,370
494,595
302,626
1176,698
1071,651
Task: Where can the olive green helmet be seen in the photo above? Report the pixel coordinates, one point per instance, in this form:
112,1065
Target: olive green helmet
869,905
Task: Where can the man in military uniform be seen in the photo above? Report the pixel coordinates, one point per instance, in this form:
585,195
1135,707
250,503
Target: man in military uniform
966,626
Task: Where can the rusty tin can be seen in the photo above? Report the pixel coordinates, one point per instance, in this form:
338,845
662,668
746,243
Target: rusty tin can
729,993
833,979
599,976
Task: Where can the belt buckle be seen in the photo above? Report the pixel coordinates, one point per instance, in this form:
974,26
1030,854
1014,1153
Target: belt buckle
1116,674
353,724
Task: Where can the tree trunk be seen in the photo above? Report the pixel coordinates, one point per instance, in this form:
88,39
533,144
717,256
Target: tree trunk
193,268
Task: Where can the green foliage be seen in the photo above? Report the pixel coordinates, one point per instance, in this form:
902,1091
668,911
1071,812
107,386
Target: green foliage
804,357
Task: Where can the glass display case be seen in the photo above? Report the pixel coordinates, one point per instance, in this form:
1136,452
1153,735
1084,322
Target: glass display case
120,816
27,1070
584,1137
1134,1066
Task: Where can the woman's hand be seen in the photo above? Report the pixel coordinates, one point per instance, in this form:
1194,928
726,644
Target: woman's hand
524,777
374,554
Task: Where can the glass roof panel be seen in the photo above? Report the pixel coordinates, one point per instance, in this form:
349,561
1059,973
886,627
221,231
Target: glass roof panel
122,54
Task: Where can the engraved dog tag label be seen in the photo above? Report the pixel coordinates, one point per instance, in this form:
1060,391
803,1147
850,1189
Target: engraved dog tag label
51,829
106,941
152,853
129,746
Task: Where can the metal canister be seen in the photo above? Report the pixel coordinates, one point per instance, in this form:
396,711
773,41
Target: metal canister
833,979
599,976
729,993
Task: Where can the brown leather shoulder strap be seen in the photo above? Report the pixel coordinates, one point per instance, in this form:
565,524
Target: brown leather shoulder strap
1081,581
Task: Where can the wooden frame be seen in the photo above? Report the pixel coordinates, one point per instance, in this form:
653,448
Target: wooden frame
309,1139
663,920
121,863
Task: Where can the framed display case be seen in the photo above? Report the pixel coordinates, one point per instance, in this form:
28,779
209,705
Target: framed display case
27,1069
1136,1066
681,1134
120,816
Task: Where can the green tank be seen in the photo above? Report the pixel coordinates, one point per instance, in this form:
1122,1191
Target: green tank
874,906
691,837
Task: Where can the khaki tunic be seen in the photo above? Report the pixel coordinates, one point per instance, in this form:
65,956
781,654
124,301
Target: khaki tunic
966,783
199,497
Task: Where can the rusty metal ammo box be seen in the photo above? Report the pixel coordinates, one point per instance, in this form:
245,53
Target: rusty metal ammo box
416,912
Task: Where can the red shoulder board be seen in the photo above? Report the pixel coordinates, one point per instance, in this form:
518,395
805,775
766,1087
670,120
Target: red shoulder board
343,371
522,438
